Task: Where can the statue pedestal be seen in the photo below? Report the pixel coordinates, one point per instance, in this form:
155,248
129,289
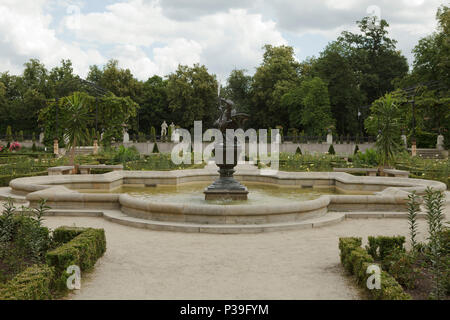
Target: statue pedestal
440,143
226,187
55,147
95,146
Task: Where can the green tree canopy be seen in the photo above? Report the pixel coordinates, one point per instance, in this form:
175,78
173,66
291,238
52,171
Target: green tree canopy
373,56
277,74
238,89
154,104
335,68
309,107
192,92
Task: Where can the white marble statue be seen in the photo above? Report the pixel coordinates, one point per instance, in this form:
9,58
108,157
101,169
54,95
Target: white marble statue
164,127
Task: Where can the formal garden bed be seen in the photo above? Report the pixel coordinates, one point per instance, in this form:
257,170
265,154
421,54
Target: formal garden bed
430,169
14,165
421,273
34,260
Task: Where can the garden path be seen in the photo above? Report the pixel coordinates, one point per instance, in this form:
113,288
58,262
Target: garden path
302,264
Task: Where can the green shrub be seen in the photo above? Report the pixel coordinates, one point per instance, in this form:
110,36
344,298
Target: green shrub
155,148
298,151
380,247
446,254
141,137
63,235
123,154
331,150
83,251
32,284
5,179
169,135
153,134
390,289
400,265
356,150
23,240
9,136
356,260
367,159
346,245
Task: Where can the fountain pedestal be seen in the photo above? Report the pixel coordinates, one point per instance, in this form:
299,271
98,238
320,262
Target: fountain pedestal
226,187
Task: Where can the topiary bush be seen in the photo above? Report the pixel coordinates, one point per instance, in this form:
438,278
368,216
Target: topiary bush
153,134
155,148
331,150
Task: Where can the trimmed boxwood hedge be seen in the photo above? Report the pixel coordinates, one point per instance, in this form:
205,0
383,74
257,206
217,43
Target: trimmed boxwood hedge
356,260
63,235
34,283
380,247
79,246
83,250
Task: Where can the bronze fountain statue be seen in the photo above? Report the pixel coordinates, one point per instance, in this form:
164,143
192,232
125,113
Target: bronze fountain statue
226,187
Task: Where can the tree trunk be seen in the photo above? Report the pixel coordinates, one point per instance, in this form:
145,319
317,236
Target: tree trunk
72,156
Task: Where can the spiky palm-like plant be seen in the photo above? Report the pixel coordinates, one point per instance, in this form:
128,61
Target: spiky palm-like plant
385,121
76,119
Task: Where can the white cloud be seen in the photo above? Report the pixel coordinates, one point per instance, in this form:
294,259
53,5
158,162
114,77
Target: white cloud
220,40
25,34
154,36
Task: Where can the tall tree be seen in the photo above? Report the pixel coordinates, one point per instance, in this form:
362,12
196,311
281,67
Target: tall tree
119,81
431,55
316,115
238,89
431,72
334,67
155,105
62,81
192,92
277,74
374,57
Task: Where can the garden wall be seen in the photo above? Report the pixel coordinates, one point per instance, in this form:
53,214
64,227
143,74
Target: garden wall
289,147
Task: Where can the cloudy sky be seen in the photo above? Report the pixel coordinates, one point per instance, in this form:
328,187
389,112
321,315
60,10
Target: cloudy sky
154,36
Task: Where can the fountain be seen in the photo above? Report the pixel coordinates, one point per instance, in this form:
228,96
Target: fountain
226,156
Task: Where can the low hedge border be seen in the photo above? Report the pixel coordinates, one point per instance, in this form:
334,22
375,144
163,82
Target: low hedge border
87,246
34,283
78,246
356,260
6,179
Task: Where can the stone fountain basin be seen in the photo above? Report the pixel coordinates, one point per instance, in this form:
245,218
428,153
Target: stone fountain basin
383,194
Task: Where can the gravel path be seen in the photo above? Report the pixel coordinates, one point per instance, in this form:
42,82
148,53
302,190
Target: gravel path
302,264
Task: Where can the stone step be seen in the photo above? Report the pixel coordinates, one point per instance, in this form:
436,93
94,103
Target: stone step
380,214
74,213
121,218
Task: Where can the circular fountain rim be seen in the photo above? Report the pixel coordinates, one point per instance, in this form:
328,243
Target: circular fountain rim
390,195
